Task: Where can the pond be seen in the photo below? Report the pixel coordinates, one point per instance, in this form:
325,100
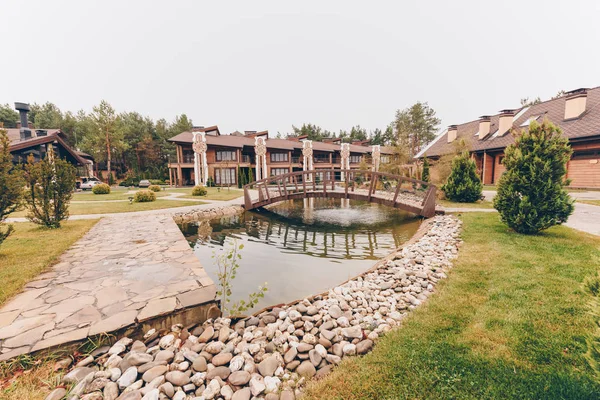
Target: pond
301,247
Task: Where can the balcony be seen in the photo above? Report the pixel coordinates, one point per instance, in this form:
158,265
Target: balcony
321,160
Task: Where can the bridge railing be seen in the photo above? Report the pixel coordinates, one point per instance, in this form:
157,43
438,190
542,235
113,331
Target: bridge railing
372,186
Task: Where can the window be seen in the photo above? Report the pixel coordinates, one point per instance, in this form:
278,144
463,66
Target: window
279,157
528,121
225,176
354,159
279,171
226,156
384,159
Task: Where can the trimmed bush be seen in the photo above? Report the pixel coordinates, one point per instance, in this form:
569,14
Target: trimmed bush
144,196
199,191
157,182
49,188
154,188
102,188
531,195
463,185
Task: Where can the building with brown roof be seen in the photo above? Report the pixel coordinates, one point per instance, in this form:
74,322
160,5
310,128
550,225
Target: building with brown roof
27,141
577,113
224,156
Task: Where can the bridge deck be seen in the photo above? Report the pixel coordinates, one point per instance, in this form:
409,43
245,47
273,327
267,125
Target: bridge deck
408,194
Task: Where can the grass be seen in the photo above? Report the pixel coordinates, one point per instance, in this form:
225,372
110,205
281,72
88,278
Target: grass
510,322
118,207
113,195
30,250
214,193
592,202
33,377
479,204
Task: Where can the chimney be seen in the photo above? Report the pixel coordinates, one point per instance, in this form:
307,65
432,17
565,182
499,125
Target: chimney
575,103
484,126
23,109
452,133
505,121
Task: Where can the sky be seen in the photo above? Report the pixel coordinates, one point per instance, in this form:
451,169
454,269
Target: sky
256,65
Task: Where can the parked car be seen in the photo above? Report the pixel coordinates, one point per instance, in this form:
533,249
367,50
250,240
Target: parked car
89,184
144,183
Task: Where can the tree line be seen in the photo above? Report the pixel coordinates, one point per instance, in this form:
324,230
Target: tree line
133,145
412,129
127,143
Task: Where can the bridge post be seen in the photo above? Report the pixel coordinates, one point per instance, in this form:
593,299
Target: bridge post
247,199
428,204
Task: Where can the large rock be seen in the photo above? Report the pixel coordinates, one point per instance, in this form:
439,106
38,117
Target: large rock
221,372
364,346
268,366
199,364
239,378
242,394
77,374
56,394
154,372
111,391
335,311
128,377
306,369
353,332
206,335
178,378
221,359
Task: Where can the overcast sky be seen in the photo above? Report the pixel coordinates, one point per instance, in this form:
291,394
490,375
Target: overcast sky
254,65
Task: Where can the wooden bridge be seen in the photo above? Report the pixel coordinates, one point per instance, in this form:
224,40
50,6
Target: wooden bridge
396,191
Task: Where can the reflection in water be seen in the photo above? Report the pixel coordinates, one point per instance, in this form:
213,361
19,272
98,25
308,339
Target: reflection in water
302,247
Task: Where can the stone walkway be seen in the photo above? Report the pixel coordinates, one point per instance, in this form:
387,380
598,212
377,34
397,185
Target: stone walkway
129,268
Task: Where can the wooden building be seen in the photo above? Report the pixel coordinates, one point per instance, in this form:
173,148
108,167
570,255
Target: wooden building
577,113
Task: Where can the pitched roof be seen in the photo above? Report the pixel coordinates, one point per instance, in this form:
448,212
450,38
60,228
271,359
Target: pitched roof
52,135
238,141
587,125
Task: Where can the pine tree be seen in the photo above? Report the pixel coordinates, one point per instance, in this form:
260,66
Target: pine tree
49,188
11,185
531,195
425,173
463,184
250,175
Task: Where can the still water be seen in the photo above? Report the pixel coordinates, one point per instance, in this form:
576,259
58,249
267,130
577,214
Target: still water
301,247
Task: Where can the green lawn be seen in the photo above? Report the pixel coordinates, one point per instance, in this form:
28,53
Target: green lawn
478,204
113,195
214,193
118,207
592,202
509,323
31,249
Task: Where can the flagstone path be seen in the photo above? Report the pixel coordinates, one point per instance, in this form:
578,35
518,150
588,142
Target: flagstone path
124,271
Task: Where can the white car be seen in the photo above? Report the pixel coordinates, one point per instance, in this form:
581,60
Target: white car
89,184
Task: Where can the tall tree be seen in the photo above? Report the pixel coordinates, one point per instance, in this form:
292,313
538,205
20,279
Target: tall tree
181,124
8,116
357,133
525,102
313,132
48,115
415,126
104,120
